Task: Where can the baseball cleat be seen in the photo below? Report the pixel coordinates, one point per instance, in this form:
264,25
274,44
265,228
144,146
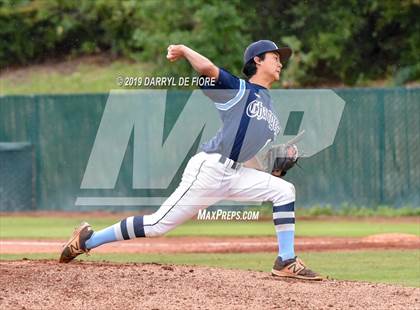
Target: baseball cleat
76,245
294,268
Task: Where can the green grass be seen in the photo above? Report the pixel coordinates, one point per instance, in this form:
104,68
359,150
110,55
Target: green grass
60,228
84,78
347,209
396,267
86,74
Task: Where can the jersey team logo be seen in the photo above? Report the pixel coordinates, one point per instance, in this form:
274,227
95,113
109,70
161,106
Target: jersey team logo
257,110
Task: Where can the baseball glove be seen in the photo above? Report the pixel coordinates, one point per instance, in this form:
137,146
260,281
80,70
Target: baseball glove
281,158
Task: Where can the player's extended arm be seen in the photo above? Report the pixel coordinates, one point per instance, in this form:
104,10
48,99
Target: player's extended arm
200,63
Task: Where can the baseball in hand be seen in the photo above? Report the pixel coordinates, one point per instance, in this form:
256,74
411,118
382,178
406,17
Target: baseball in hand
292,151
175,52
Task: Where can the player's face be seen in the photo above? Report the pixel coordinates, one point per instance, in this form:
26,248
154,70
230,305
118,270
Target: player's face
271,65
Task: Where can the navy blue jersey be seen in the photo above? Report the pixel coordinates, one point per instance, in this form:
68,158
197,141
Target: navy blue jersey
246,111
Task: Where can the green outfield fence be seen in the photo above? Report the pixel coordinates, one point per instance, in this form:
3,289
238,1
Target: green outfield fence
46,140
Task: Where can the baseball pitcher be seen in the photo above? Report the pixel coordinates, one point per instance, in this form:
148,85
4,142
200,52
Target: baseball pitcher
226,168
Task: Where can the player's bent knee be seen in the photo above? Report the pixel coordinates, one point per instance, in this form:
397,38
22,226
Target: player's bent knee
291,191
285,192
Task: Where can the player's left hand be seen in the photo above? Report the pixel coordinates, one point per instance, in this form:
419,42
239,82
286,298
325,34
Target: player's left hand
281,158
175,52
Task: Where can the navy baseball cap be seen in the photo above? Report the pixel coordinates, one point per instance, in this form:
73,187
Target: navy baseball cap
264,46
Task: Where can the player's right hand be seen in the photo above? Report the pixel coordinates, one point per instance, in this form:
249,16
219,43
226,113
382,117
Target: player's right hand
175,52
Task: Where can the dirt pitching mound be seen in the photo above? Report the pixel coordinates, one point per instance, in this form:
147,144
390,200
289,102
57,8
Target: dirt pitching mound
222,244
85,285
392,238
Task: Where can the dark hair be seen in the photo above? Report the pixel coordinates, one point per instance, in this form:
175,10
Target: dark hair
250,68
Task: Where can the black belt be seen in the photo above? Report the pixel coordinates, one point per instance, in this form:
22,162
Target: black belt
233,164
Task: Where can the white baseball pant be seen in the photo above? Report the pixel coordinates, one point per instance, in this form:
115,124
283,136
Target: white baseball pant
207,181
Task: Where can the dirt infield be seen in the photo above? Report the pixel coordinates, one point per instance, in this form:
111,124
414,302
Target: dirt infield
49,285
222,245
